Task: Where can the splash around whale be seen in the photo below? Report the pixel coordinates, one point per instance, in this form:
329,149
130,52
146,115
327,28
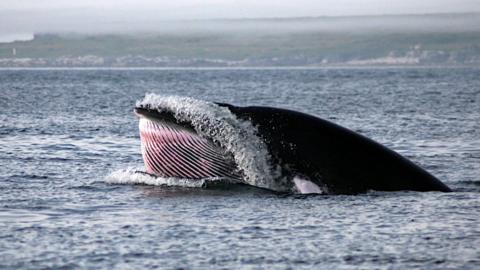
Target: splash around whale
272,148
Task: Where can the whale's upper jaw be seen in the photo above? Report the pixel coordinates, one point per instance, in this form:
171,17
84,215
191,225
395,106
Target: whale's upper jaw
160,115
154,114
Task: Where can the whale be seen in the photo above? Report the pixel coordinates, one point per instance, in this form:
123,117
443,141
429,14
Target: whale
310,154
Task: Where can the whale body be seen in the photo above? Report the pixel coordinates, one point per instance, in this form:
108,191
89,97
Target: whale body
312,153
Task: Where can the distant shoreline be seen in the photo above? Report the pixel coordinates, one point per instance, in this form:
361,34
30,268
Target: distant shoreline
249,67
244,49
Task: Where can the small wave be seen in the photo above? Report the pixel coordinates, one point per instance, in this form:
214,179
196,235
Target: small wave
29,176
470,182
467,186
136,176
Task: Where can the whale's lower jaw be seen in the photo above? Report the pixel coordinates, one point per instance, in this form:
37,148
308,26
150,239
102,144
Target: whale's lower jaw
170,150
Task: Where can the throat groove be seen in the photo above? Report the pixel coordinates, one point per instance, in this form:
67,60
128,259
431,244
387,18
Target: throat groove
169,150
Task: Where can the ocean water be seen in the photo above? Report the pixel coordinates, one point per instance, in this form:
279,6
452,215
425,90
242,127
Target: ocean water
69,146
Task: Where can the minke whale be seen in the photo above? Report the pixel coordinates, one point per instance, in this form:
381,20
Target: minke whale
309,154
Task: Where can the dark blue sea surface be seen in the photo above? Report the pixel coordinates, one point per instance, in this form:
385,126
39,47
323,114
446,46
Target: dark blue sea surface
64,132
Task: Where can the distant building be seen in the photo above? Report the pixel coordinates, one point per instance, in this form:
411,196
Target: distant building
14,52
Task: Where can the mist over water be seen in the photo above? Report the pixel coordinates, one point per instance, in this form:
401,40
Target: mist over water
230,34
129,16
94,22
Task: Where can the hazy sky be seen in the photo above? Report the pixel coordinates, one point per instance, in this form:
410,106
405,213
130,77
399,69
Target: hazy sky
28,16
178,9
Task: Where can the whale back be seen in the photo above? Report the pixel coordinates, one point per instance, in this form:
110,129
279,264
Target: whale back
339,159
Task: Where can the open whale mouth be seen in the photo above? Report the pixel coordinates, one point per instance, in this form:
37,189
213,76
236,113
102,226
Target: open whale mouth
171,148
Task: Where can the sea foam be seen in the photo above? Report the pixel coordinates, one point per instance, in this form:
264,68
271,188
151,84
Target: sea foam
135,176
